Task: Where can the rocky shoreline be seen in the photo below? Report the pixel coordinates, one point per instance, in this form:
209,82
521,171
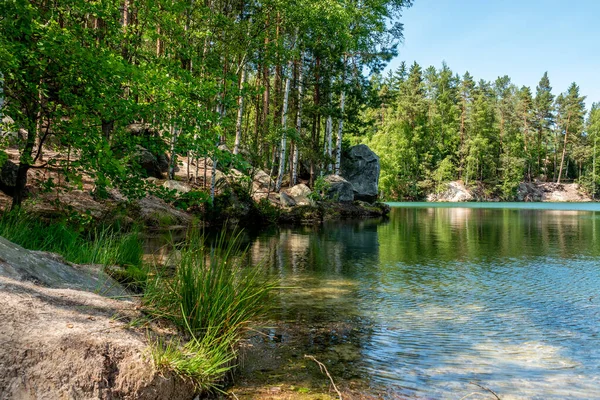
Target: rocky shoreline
457,191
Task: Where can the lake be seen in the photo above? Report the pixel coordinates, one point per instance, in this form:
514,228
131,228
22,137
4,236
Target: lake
437,296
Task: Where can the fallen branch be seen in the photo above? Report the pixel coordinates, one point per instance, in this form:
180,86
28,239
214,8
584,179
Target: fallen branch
324,370
487,389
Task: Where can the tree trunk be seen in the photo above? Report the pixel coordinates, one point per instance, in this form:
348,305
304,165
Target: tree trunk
294,179
171,174
562,161
240,113
338,151
282,156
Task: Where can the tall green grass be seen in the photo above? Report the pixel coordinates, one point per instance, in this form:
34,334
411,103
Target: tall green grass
102,245
212,297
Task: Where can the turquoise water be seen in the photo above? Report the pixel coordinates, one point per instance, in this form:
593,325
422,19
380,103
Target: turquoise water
440,295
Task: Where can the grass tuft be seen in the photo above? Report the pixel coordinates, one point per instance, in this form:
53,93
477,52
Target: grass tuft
211,297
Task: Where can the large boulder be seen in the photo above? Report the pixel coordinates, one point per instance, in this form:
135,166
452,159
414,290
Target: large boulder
50,270
360,166
286,200
339,189
60,339
300,193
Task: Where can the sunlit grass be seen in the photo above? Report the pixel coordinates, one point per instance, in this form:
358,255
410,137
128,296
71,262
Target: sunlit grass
102,245
211,297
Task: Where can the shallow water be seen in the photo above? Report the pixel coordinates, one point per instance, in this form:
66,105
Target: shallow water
504,294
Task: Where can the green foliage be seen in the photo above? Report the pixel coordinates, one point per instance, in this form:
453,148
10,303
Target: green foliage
444,173
432,126
192,200
98,246
320,189
205,361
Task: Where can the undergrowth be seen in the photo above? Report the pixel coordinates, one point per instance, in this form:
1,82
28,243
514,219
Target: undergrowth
101,245
210,295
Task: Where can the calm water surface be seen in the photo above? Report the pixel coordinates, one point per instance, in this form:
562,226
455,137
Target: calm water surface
437,296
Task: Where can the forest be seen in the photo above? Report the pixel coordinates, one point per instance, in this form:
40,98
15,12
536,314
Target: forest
265,83
278,86
433,126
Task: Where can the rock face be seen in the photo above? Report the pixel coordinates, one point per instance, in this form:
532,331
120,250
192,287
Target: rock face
59,342
300,194
262,185
455,192
549,191
155,212
339,189
49,270
286,200
360,166
149,163
180,187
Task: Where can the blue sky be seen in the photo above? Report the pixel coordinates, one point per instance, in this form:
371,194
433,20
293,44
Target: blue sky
521,39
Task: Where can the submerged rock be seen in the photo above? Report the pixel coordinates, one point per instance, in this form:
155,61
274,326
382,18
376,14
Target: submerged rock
360,166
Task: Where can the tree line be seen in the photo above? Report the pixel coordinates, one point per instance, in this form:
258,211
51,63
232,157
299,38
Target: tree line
433,126
273,80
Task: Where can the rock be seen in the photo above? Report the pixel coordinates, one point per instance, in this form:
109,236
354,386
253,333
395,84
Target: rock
180,187
360,166
148,162
455,192
339,189
529,192
263,179
300,194
59,340
77,200
8,177
262,185
286,200
46,269
155,212
163,161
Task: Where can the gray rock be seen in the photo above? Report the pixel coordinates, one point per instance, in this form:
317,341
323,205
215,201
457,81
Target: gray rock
455,192
163,163
339,189
529,192
50,270
8,176
360,166
286,200
148,162
180,187
262,179
300,194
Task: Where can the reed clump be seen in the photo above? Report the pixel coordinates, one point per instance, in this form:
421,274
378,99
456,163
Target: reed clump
211,296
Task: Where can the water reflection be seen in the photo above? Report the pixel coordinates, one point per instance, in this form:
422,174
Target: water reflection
437,297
